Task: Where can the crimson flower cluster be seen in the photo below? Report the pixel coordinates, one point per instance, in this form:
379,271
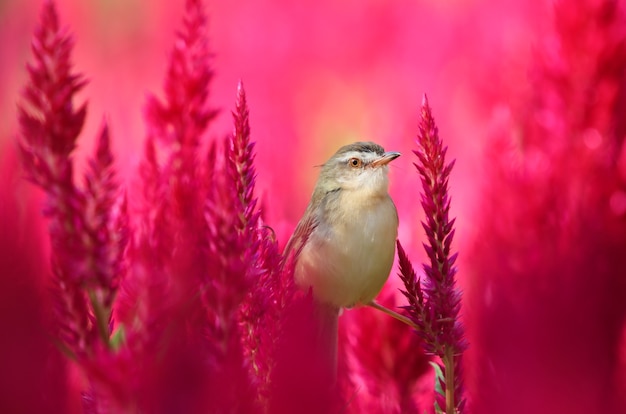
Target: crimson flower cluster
434,304
175,296
189,274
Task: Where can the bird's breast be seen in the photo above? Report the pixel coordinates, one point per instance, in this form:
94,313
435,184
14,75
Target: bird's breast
347,262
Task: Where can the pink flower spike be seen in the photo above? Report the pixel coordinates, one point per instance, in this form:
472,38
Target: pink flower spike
48,117
49,128
439,284
86,248
184,115
241,164
108,231
434,307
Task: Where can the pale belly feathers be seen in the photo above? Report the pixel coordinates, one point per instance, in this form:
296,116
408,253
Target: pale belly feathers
349,265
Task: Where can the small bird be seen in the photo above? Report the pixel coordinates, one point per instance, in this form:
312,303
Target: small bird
345,242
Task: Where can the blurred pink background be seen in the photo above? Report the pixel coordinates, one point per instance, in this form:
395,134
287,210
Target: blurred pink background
320,74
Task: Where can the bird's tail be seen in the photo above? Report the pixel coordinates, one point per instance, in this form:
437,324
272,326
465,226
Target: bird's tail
327,319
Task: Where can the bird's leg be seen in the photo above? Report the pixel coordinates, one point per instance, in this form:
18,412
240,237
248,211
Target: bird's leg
393,314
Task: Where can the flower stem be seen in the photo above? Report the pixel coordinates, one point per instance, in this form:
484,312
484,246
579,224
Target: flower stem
448,366
102,317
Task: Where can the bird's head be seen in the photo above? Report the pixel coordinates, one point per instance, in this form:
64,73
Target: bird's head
361,166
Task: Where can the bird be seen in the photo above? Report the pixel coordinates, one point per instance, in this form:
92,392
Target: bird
344,245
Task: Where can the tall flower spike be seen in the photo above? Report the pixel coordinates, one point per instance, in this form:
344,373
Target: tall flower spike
264,309
184,116
439,284
87,238
108,231
241,164
550,241
193,272
386,364
50,125
240,155
174,188
49,121
434,307
232,252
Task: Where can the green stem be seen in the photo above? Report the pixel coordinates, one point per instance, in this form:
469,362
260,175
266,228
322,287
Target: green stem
102,317
448,366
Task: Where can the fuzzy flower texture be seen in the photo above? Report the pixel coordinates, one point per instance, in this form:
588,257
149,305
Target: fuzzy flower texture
434,308
177,298
171,294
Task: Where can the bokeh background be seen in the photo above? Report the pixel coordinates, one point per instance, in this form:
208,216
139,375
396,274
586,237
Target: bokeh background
323,73
318,74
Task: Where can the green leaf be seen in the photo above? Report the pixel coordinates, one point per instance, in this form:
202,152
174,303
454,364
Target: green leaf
118,338
439,379
102,315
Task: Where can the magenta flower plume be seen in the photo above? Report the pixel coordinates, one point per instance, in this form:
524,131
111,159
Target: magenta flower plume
241,165
552,230
259,250
198,250
170,247
274,328
184,116
444,299
184,303
379,373
434,304
274,323
88,239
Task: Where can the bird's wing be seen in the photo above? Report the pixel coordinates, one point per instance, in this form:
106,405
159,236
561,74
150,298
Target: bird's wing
300,235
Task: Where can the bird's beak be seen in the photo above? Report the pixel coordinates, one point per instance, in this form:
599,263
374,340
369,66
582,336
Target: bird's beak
385,159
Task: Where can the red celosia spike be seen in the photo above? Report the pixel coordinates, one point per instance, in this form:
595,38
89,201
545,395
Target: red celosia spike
264,310
241,162
52,87
435,309
50,126
547,230
48,119
184,116
387,363
205,264
107,245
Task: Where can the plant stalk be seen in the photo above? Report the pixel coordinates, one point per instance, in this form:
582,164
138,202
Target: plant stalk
448,366
102,315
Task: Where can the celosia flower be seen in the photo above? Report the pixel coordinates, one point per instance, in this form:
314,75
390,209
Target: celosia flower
88,240
547,265
380,363
434,304
198,237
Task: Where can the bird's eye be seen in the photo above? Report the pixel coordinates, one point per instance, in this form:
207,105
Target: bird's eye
354,162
